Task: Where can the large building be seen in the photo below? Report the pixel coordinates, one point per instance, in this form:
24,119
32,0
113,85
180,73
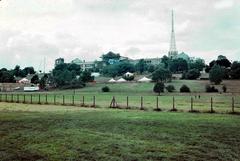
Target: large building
83,64
173,49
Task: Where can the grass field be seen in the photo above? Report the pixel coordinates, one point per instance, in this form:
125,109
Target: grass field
221,102
46,132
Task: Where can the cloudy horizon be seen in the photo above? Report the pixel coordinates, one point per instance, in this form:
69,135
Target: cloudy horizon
33,30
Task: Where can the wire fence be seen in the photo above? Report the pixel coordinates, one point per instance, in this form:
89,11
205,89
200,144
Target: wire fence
220,104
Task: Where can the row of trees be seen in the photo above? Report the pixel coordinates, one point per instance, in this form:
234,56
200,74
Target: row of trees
222,68
70,76
114,66
9,76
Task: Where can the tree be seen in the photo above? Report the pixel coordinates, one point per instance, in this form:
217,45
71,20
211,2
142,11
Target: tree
178,65
65,75
86,77
17,71
35,79
223,61
6,77
197,64
162,75
118,69
28,70
158,87
216,74
74,67
165,60
191,74
110,56
151,68
235,70
141,66
43,82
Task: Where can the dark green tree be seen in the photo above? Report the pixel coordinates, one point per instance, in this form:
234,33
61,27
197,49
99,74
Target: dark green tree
141,66
165,60
197,64
86,77
216,74
191,74
159,88
110,55
161,75
235,70
178,65
43,82
35,79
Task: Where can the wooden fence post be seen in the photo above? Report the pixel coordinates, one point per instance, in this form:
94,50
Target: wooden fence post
0,97
94,101
54,97
73,100
83,101
141,103
24,98
39,99
127,102
31,99
11,97
17,98
211,105
174,103
191,104
63,100
157,104
6,98
46,97
233,105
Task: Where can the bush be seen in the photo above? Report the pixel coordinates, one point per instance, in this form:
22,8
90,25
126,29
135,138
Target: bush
170,88
185,88
158,87
211,89
224,88
105,89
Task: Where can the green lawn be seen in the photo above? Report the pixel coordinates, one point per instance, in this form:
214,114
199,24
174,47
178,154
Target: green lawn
46,132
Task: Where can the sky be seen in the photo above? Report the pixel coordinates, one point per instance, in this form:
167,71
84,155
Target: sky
31,30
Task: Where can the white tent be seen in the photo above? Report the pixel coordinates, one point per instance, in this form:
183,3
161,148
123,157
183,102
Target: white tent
144,79
112,80
121,80
128,74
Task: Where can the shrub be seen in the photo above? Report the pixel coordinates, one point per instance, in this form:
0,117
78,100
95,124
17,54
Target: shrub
105,89
224,88
170,88
184,88
158,87
211,89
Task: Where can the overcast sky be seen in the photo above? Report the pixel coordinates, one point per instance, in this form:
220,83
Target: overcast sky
33,29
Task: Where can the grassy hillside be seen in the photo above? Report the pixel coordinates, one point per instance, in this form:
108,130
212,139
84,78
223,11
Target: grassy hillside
33,132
